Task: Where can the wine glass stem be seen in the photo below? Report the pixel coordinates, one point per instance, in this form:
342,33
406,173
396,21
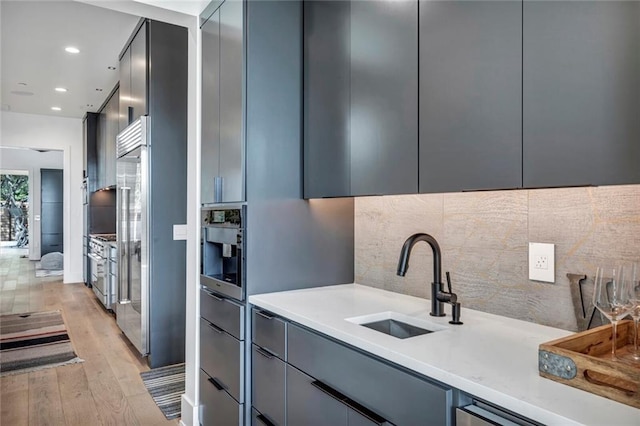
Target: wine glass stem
635,335
614,324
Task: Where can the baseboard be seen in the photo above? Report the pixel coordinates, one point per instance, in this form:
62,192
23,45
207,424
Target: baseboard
189,413
73,279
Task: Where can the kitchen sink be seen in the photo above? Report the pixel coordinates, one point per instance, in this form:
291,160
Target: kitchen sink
397,325
398,329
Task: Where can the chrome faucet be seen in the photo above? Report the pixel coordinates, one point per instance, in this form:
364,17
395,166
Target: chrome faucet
438,295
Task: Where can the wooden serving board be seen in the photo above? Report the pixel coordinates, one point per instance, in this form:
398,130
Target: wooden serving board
582,360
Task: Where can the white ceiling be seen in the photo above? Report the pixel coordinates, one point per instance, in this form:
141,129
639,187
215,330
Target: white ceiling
33,36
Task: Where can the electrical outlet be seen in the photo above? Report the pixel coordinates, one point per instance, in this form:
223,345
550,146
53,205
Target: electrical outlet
541,262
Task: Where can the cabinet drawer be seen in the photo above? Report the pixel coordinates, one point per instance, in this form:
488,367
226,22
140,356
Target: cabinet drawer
268,385
398,396
269,332
221,357
309,406
216,406
225,313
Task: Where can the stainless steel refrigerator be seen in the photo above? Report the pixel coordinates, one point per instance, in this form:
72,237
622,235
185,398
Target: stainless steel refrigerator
132,309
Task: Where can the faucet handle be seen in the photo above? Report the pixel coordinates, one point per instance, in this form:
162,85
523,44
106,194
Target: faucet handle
448,281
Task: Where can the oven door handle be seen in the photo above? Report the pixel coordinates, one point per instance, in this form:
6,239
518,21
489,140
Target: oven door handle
96,258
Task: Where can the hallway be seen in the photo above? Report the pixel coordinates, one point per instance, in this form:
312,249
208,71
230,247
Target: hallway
106,389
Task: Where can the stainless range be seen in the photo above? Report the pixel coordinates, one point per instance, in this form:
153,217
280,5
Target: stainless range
100,253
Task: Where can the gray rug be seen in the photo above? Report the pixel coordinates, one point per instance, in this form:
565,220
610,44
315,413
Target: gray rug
166,386
33,341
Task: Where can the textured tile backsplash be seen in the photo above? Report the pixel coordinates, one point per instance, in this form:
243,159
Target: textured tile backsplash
484,240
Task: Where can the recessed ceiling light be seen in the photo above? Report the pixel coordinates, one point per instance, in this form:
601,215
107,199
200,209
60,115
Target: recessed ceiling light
56,109
72,49
22,84
61,89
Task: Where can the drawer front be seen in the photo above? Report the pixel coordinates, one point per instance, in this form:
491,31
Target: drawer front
225,313
268,385
221,357
217,408
399,397
269,332
309,406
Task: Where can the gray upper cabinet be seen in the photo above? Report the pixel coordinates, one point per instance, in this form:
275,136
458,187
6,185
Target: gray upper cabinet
470,95
125,89
222,152
581,89
361,98
134,68
108,127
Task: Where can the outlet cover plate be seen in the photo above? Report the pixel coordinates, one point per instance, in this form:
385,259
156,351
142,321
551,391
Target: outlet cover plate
542,262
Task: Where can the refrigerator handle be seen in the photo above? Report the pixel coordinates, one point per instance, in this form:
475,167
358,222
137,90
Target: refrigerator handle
125,286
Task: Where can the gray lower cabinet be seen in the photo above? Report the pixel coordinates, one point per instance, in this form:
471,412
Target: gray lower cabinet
217,407
581,92
470,95
360,98
324,382
222,360
268,385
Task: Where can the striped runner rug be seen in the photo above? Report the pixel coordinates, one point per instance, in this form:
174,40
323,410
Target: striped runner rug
166,386
33,341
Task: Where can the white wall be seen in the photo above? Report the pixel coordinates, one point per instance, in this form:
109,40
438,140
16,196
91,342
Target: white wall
31,162
65,134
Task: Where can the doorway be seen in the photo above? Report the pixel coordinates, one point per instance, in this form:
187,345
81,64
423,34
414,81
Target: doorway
14,211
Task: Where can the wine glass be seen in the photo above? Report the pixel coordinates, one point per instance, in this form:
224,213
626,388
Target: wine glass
611,297
632,276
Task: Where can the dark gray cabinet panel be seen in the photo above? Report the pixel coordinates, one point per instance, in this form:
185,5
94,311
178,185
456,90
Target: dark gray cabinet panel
223,312
470,95
327,50
361,98
403,398
51,185
221,357
269,332
308,405
108,128
581,93
210,140
231,100
222,153
268,385
139,70
90,132
384,97
125,89
134,73
217,408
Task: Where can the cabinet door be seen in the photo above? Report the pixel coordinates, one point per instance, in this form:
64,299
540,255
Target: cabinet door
307,405
111,132
326,99
268,385
210,140
139,71
384,97
231,101
101,149
125,89
470,95
581,92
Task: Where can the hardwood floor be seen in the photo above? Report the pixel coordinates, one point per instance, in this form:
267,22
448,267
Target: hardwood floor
106,389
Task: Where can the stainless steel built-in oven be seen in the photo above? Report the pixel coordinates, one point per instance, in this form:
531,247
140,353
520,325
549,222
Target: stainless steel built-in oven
222,250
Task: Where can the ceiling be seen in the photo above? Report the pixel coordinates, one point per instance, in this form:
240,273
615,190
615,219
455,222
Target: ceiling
34,35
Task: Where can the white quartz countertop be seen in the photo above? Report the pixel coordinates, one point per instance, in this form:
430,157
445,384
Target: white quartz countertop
490,357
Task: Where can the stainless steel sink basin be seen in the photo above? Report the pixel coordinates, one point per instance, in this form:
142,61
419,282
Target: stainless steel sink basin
398,329
396,324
